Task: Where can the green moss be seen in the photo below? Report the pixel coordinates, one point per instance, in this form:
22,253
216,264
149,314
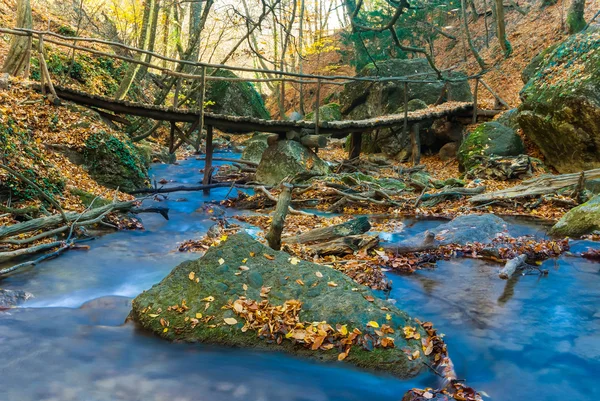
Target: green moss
579,221
488,139
87,198
328,112
235,98
22,153
66,30
320,302
115,162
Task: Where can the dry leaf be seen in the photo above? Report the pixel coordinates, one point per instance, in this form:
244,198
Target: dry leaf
319,274
230,321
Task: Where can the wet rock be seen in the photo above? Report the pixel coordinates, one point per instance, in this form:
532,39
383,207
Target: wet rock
449,151
9,298
255,147
536,63
321,302
461,230
583,219
509,119
560,110
154,153
488,139
289,159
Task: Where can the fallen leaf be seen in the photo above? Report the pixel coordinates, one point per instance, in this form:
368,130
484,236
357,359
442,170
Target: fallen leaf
332,284
198,315
294,261
300,282
153,315
244,268
245,287
192,275
221,261
270,257
230,321
369,298
209,298
319,274
373,323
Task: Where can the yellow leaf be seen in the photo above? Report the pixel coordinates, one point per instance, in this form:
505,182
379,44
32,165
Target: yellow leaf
373,323
209,299
221,261
198,315
244,260
165,330
192,275
230,320
332,284
244,268
344,330
300,282
153,315
224,238
388,317
245,287
270,257
252,254
319,274
294,261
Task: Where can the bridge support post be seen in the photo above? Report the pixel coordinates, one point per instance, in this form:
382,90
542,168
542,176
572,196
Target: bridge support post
475,101
415,140
208,168
318,107
201,104
355,145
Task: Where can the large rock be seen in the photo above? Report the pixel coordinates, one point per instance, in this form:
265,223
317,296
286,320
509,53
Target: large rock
115,162
10,298
255,147
236,98
462,230
509,119
328,112
288,159
216,280
583,219
489,139
561,105
361,100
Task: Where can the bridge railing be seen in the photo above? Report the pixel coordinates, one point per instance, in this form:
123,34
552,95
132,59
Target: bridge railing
204,75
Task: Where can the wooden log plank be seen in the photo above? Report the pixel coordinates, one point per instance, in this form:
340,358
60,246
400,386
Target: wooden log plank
512,266
208,161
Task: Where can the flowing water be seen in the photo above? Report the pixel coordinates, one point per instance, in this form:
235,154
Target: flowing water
529,338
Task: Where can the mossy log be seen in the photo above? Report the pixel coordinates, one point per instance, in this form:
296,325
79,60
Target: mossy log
353,227
346,245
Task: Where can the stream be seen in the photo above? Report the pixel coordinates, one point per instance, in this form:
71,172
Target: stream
529,338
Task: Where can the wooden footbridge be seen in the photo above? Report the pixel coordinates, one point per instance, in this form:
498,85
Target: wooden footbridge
313,133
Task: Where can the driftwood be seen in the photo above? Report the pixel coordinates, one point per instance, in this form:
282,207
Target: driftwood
346,245
433,199
269,195
225,159
353,227
283,204
503,167
512,266
543,185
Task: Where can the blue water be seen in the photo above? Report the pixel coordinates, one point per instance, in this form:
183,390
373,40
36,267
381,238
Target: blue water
533,338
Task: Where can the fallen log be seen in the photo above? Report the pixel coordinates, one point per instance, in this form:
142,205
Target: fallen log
353,227
543,185
43,223
346,245
314,141
512,266
190,188
433,199
226,159
283,204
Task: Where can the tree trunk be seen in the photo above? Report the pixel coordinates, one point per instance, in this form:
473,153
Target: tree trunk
17,59
133,69
468,36
501,29
195,24
575,20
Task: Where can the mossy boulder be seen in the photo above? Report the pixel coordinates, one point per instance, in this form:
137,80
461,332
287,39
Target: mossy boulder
583,219
328,112
413,105
216,280
509,119
488,139
289,159
236,98
361,100
255,147
115,162
560,112
536,63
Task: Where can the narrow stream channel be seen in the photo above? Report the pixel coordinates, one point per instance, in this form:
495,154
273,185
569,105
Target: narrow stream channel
532,338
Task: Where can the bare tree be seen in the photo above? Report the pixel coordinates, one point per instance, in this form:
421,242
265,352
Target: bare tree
17,59
501,29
